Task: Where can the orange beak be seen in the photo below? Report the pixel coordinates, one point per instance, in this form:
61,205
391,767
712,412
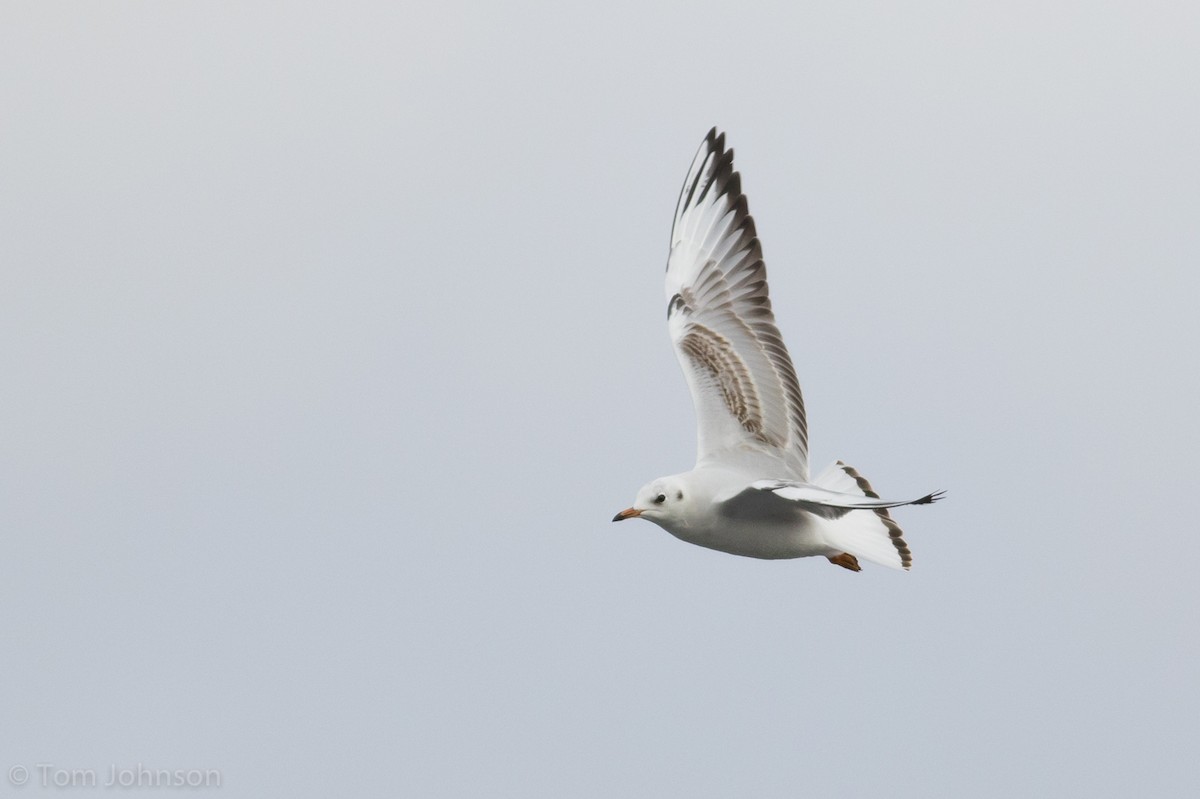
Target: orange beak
628,513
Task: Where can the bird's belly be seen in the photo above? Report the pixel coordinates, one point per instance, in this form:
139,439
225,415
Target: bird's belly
770,539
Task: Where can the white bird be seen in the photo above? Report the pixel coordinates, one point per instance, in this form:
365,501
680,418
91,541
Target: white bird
749,493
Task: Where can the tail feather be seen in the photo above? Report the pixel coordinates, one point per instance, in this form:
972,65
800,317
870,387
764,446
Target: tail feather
869,534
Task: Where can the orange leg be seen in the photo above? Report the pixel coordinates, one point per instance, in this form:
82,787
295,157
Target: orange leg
846,561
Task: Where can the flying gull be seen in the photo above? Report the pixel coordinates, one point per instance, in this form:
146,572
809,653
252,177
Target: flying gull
749,493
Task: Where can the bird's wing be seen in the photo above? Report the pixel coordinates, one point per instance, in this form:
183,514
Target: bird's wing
743,384
856,519
824,502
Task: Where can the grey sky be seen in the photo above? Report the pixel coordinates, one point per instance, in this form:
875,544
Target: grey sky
333,338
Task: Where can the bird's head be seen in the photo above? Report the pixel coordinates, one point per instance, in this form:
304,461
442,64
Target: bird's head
662,501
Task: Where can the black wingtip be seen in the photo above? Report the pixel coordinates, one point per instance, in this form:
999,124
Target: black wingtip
930,498
733,187
715,140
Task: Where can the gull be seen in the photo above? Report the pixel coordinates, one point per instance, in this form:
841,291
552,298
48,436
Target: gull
749,493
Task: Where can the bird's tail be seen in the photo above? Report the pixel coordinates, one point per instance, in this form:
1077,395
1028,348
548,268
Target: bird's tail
868,534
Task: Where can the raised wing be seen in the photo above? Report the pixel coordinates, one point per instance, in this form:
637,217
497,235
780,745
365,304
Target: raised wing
747,398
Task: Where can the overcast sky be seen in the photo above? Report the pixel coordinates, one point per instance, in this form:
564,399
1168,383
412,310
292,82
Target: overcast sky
332,337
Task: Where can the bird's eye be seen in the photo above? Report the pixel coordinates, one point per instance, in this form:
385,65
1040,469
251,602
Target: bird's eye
660,499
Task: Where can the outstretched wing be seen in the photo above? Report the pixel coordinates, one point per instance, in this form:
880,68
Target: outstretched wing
767,497
834,503
743,384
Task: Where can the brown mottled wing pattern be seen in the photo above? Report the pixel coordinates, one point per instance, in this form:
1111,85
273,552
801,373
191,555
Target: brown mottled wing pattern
743,384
